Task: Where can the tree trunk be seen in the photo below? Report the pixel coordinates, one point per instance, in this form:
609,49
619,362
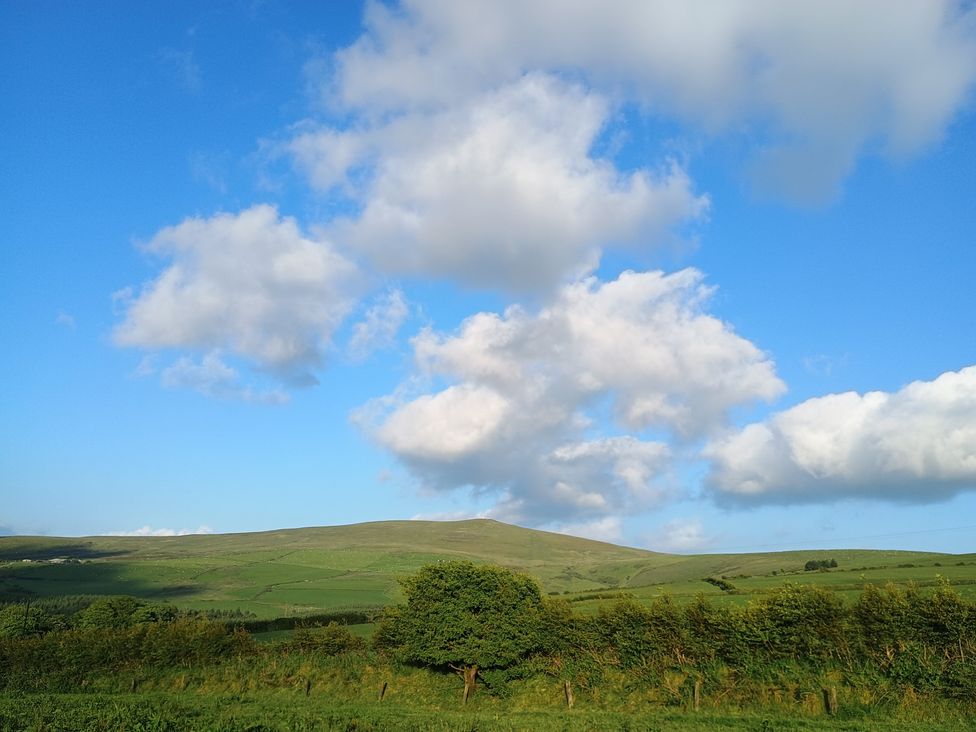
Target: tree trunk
468,673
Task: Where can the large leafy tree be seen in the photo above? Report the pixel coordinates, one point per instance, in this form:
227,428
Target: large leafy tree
466,617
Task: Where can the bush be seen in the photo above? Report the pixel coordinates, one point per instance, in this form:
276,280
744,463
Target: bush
21,621
109,612
330,640
799,623
816,564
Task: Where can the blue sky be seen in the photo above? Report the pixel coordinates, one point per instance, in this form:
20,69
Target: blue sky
691,278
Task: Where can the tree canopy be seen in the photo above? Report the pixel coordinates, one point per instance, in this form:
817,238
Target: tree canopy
460,613
466,616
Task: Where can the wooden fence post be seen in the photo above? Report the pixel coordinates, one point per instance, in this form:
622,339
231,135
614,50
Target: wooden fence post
830,700
697,694
568,691
383,691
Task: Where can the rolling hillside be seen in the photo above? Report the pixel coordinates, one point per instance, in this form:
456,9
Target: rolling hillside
296,571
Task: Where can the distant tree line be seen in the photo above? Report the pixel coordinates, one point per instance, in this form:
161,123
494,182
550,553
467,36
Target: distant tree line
815,564
36,616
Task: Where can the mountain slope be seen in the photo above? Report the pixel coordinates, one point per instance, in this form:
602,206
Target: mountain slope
303,570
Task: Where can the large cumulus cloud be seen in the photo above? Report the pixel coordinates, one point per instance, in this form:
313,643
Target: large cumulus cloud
499,191
518,394
811,84
250,285
915,444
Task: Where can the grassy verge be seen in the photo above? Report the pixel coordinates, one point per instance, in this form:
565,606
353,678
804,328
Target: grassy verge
276,711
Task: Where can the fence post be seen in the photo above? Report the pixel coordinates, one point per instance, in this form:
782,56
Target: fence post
383,691
830,700
697,694
568,691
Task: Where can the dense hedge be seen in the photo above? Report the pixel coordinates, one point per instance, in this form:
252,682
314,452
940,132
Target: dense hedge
347,616
62,660
887,638
926,641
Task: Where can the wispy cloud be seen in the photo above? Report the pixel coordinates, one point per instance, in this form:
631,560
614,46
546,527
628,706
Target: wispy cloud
379,327
212,377
181,68
148,530
680,535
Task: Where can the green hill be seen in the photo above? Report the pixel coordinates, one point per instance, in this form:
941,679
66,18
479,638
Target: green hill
296,571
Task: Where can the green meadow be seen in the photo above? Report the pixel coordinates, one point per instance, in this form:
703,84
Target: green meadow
306,571
193,674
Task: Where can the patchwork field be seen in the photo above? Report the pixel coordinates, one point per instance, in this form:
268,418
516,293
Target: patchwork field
298,571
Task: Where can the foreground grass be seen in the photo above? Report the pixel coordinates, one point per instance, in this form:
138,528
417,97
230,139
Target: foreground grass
161,712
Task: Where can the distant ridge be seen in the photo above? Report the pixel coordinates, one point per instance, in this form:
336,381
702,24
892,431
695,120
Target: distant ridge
287,571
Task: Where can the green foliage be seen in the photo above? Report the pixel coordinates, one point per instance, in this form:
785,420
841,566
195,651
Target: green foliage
890,644
62,659
463,614
722,584
923,641
109,612
345,616
20,621
329,640
884,618
707,630
644,635
946,620
797,622
815,564
155,614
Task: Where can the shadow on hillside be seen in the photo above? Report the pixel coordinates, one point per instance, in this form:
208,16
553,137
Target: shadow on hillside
13,551
46,579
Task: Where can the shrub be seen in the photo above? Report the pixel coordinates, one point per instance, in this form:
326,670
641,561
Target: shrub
330,640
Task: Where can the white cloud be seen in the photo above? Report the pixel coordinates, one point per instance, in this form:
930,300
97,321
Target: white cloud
608,528
65,320
814,83
250,285
915,444
822,365
453,423
680,535
498,191
516,414
212,377
379,326
642,339
150,531
448,516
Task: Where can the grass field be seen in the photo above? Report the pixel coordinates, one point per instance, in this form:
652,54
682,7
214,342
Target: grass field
290,711
298,571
